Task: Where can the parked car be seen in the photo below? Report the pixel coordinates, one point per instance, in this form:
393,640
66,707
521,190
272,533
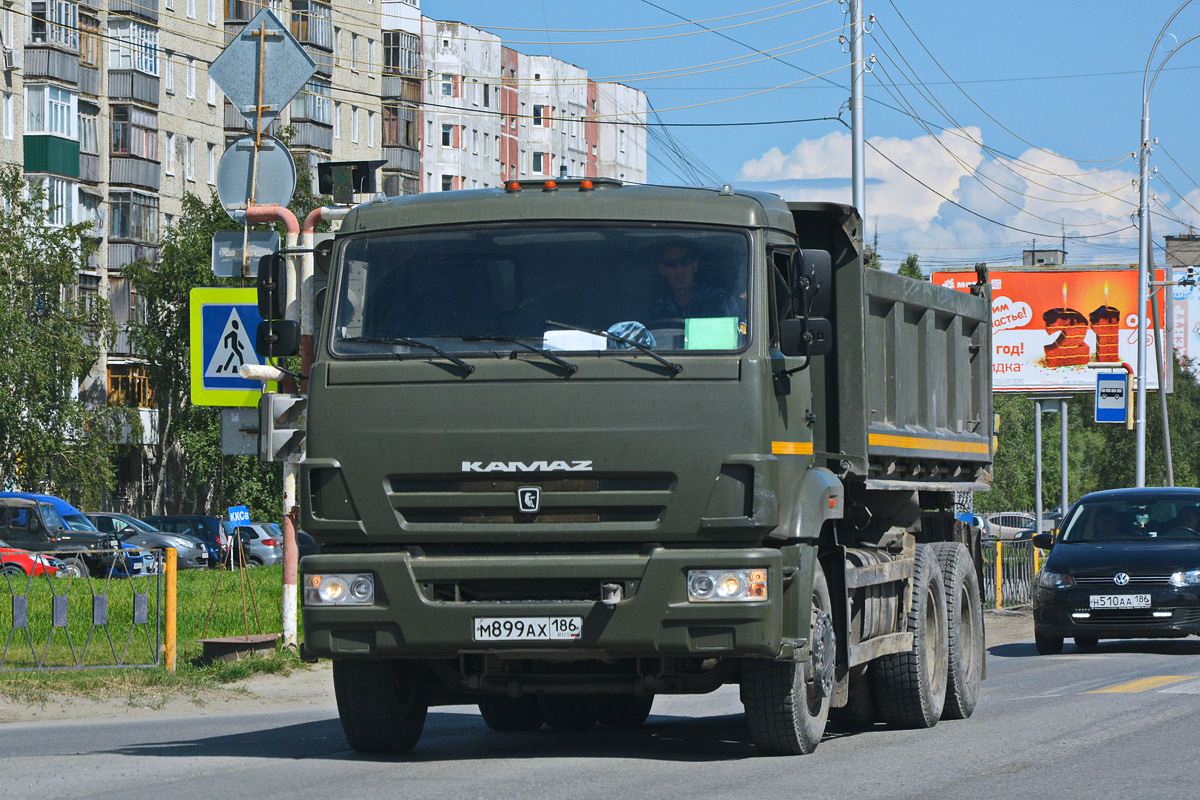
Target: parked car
21,563
258,543
213,531
1005,524
132,561
34,525
1125,565
191,553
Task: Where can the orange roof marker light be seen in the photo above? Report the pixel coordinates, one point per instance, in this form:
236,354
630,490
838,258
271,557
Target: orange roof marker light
550,186
586,186
512,187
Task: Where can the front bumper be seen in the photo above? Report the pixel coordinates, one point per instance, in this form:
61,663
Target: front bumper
425,607
1173,612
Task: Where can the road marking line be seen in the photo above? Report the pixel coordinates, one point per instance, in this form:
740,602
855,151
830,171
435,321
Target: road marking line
1191,687
1142,684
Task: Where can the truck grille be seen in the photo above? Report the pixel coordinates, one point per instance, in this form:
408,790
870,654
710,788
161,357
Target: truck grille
484,500
1108,579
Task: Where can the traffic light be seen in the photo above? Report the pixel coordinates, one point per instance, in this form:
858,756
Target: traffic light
281,420
272,286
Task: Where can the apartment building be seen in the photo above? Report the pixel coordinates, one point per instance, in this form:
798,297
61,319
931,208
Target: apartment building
109,103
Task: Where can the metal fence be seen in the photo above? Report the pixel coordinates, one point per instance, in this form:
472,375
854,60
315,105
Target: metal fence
1008,571
110,618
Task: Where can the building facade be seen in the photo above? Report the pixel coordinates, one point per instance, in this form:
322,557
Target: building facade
109,104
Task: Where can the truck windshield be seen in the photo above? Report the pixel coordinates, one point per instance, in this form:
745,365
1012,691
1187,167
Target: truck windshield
487,289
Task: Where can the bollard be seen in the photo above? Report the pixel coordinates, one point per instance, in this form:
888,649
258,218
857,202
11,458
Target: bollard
169,572
999,576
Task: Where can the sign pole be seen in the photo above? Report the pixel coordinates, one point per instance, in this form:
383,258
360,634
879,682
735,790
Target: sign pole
1037,455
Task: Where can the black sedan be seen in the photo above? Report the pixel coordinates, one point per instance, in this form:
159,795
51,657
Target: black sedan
1125,565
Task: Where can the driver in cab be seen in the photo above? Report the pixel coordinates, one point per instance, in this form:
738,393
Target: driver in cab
683,298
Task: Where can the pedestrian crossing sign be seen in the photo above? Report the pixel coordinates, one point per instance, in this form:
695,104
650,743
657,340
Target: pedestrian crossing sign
223,324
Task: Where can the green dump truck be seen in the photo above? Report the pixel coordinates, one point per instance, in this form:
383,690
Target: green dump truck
575,445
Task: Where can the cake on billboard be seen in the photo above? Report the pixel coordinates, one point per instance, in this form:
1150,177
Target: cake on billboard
1048,325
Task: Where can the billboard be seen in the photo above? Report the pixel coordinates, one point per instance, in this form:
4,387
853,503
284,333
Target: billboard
1186,329
1048,324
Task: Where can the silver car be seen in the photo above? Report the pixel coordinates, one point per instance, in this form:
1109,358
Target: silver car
191,552
260,543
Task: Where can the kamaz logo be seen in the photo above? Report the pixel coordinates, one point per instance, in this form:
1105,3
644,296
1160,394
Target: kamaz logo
532,466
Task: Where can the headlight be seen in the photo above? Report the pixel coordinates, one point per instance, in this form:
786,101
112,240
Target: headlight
726,585
1054,580
1189,578
339,590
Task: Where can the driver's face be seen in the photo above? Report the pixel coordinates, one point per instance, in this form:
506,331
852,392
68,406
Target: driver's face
678,265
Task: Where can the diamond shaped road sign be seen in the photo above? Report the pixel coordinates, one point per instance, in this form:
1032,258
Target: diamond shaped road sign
264,53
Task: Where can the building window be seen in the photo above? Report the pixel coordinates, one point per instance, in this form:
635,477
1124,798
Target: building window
212,164
399,126
312,22
191,9
132,45
168,72
135,132
370,129
212,12
487,95
447,85
189,160
354,124
89,137
191,78
89,210
447,183
447,135
8,115
51,109
313,102
89,41
354,52
169,156
134,216
212,91
54,21
59,201
129,385
370,58
337,120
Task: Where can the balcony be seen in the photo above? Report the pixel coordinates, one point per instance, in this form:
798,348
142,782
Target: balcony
44,60
312,134
89,168
89,81
402,159
324,62
401,88
122,253
127,84
51,154
136,172
146,9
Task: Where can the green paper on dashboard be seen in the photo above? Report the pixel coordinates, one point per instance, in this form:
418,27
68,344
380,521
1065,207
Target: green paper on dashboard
710,333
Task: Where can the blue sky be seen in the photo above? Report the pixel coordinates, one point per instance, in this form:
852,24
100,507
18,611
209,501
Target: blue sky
1028,118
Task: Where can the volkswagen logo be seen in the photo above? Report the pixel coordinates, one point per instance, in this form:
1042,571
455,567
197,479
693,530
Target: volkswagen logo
1121,578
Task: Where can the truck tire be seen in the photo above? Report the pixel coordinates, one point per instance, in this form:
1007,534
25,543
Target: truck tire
76,568
568,712
378,704
787,702
964,629
910,688
623,711
511,714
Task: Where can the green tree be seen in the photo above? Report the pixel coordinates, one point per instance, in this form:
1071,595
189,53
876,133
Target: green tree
909,268
49,341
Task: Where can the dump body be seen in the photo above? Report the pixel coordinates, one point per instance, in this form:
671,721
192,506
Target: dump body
529,478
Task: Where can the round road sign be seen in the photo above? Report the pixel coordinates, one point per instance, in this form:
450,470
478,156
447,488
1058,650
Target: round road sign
236,175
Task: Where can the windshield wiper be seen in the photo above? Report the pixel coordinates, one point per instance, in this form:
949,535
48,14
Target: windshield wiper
675,368
567,365
468,368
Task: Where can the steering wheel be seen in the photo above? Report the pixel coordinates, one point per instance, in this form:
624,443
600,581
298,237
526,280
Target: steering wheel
1181,532
665,322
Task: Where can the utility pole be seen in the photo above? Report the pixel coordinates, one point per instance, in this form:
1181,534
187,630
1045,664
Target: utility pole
857,69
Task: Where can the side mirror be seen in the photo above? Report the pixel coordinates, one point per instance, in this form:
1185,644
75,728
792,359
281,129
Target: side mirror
806,336
277,338
1043,541
813,293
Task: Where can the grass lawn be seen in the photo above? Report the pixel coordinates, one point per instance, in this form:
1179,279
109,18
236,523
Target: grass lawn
210,603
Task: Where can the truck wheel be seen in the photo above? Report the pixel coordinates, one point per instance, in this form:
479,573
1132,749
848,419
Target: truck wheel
624,711
860,712
568,712
910,688
1047,645
964,629
378,704
787,703
75,567
508,714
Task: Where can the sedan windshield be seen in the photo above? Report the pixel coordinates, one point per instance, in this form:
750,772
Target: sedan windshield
564,288
1135,520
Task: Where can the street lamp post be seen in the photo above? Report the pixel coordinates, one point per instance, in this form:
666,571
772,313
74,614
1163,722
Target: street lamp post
1148,81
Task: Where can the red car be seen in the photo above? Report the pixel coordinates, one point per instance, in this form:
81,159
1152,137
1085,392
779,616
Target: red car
20,563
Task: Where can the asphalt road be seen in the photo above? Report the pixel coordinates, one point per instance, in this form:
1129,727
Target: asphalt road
1116,721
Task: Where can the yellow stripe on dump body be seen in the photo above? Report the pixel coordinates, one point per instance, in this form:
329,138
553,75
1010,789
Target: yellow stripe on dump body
792,448
923,443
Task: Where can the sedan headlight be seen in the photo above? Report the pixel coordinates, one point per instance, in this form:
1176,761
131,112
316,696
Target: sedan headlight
726,585
339,590
1054,580
1189,578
